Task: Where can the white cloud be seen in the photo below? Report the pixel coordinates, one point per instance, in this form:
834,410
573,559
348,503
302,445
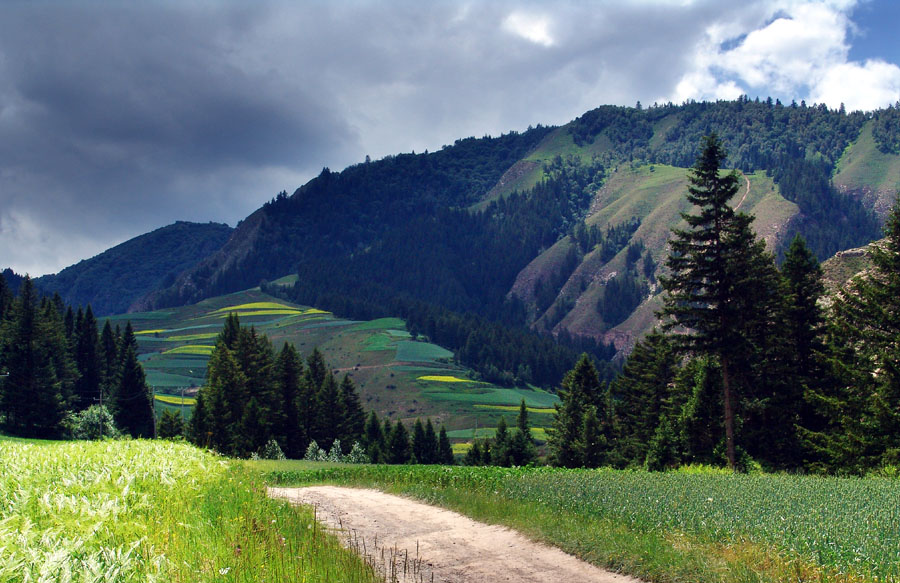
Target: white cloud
534,28
871,85
790,50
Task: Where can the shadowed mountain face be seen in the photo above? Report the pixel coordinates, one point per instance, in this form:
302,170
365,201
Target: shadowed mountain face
111,281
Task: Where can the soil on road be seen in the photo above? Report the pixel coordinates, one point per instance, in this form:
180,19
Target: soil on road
411,541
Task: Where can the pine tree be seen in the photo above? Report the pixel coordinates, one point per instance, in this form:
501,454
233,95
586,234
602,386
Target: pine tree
431,444
88,360
640,394
592,443
419,447
581,388
521,448
445,450
32,397
289,374
170,425
374,439
354,418
500,454
399,451
331,414
133,402
109,361
721,286
864,404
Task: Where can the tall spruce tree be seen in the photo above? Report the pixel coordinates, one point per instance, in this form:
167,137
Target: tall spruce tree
722,286
445,449
289,371
133,403
88,360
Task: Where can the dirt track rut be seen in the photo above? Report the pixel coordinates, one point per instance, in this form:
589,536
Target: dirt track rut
411,541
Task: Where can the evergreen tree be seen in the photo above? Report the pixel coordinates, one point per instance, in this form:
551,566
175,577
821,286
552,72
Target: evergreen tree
253,430
721,285
331,414
374,439
864,404
354,418
592,443
399,451
109,361
170,425
419,447
33,397
581,388
445,450
473,456
289,373
133,403
500,454
88,361
431,444
521,448
640,394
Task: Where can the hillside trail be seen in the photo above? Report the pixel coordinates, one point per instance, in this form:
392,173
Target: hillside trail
408,541
746,192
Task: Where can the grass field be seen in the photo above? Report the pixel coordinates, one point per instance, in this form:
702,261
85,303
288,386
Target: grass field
693,525
137,511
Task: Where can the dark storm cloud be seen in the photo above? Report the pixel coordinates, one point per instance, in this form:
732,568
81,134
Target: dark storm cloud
116,118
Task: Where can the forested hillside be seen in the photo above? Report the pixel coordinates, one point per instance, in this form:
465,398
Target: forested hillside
558,229
114,279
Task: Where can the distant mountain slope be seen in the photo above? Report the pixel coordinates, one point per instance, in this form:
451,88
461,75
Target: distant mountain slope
561,229
111,281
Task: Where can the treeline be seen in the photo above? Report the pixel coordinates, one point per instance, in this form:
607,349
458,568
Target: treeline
749,368
253,395
387,443
57,366
505,449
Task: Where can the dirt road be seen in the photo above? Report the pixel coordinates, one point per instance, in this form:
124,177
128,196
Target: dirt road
411,541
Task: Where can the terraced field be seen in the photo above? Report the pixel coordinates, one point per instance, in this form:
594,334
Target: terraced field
397,375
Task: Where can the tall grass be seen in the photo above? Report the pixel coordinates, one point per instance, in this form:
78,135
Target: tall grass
702,526
152,511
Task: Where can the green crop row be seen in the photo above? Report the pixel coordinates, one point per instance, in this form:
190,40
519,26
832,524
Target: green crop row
708,526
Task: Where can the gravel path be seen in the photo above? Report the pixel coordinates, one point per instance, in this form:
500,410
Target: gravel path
410,541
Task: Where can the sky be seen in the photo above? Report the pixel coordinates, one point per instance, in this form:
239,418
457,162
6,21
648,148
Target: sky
117,118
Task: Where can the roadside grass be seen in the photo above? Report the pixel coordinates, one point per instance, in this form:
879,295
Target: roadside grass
129,511
669,527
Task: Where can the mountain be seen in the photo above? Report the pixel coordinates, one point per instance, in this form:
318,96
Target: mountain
560,229
111,281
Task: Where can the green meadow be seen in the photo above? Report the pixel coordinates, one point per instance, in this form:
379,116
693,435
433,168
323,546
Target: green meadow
130,511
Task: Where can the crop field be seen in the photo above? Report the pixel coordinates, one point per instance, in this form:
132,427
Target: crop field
693,525
397,375
137,511
176,400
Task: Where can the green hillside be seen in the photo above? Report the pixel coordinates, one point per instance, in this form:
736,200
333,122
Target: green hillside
397,375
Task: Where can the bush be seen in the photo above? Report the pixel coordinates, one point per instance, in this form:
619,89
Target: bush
95,422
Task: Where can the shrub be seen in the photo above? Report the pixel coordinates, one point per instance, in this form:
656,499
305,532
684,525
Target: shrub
95,422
